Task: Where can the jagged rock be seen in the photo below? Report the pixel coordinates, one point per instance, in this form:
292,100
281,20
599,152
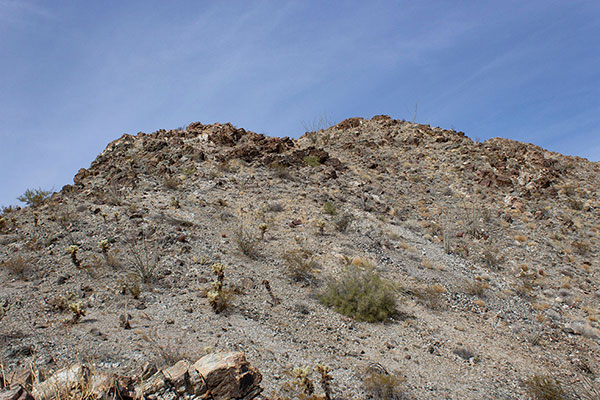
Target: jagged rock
381,117
226,135
23,377
61,383
582,328
101,385
223,375
228,375
177,376
350,123
80,176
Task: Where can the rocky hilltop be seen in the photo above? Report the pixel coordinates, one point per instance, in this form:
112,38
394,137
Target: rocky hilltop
182,243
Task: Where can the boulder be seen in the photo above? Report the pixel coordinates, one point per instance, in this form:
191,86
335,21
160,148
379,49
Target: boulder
61,383
228,375
218,376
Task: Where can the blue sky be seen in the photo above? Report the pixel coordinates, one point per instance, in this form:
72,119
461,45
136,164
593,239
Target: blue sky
77,74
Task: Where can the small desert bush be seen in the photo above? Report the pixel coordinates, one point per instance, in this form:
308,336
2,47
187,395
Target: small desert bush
492,257
246,242
143,259
280,171
543,387
319,123
4,308
130,284
171,182
35,197
431,296
302,386
360,293
381,385
329,208
312,161
476,288
581,247
301,265
343,222
168,350
16,266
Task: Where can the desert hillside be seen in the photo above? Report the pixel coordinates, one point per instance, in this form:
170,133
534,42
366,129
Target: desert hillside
182,243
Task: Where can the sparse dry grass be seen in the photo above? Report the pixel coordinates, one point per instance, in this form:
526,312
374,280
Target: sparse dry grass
17,266
381,385
301,265
543,387
247,242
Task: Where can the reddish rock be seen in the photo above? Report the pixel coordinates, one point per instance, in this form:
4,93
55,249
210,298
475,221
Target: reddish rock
350,123
80,176
381,117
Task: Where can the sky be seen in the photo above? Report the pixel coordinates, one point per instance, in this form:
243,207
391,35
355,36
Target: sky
75,75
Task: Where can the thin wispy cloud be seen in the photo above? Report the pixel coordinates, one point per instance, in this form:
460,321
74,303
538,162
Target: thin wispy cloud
81,74
22,12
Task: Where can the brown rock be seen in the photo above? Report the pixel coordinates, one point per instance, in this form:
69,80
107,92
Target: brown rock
177,375
59,384
228,375
381,117
80,176
23,377
101,385
150,386
350,123
16,392
226,135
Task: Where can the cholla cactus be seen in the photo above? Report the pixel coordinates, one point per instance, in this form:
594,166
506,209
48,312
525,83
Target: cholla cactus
263,228
219,296
77,310
303,381
103,245
320,225
72,250
326,378
4,309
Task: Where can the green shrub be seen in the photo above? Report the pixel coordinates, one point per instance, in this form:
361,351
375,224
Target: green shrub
35,197
360,293
329,208
312,161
